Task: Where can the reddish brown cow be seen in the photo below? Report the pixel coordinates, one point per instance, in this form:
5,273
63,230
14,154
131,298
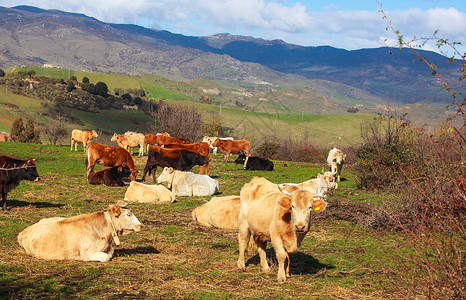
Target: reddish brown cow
109,156
199,147
235,147
162,139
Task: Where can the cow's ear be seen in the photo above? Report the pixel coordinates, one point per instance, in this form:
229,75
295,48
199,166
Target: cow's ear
285,202
319,205
115,210
30,162
171,170
120,168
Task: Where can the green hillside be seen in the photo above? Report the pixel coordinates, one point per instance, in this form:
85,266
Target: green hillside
262,119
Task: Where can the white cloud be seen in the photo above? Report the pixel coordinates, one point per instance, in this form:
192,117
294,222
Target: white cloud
276,19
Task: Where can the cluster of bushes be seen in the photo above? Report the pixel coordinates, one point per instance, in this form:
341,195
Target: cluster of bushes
25,133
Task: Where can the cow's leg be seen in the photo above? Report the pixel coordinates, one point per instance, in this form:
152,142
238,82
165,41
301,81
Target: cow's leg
154,168
225,157
98,256
4,195
261,247
282,257
243,239
71,149
288,260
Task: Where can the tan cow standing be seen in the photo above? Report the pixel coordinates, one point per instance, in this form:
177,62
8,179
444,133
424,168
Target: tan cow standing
89,237
282,217
219,212
335,161
85,137
131,141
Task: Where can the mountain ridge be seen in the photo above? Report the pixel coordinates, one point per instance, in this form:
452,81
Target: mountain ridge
77,41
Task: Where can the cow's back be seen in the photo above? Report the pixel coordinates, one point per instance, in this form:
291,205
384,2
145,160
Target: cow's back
144,193
219,212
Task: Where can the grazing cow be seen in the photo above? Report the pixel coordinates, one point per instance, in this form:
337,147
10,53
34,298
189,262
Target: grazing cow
85,137
335,161
318,186
254,163
179,159
162,139
219,212
130,141
199,147
109,156
12,171
235,147
144,193
89,237
211,139
281,217
187,183
110,176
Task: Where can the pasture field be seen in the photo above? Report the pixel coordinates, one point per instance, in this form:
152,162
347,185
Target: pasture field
173,258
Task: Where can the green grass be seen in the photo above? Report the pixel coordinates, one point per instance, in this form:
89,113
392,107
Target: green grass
173,258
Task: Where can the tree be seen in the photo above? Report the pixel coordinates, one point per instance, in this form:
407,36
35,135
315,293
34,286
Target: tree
85,79
25,134
2,73
70,86
56,130
101,88
17,130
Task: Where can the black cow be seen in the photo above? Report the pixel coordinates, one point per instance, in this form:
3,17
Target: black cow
254,162
178,159
12,171
110,176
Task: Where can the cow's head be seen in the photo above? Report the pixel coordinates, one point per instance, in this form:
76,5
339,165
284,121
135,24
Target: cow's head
186,141
216,143
329,179
300,204
124,170
114,137
165,177
93,134
124,220
200,159
134,174
241,157
30,170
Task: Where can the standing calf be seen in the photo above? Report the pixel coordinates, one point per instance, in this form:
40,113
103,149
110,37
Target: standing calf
335,161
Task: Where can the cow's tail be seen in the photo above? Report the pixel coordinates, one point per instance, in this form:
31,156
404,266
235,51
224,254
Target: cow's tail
86,161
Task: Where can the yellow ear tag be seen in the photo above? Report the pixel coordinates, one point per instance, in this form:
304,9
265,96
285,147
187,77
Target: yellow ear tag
115,214
317,208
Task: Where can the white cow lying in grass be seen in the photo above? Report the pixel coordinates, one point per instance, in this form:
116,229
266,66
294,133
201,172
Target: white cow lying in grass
145,193
89,237
188,183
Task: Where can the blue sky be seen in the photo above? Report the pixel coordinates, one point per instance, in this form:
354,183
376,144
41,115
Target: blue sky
339,23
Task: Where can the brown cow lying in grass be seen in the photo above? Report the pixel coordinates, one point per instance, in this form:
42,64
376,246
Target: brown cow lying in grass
110,176
85,137
281,217
89,237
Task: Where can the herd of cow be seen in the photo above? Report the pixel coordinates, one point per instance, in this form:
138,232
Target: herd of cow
262,212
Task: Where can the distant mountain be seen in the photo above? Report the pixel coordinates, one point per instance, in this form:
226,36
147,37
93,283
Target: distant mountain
76,41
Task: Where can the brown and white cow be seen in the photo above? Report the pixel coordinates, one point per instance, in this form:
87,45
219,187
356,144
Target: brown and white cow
235,147
211,139
130,141
145,193
109,156
219,212
162,139
89,237
85,137
281,217
335,161
198,147
12,171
